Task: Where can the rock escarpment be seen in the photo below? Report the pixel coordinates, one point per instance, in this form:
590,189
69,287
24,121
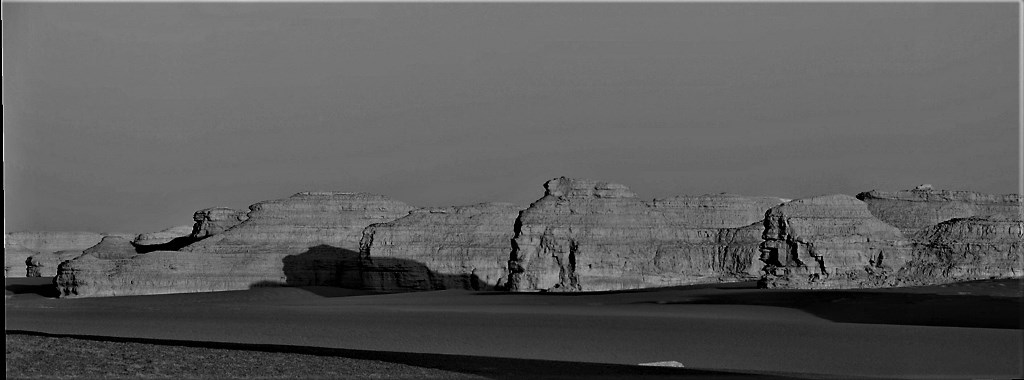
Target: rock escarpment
829,241
212,221
310,238
462,247
914,210
968,249
19,246
15,257
590,235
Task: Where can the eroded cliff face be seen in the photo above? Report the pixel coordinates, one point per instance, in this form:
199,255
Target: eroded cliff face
590,235
829,241
310,238
215,220
968,249
914,210
15,257
462,247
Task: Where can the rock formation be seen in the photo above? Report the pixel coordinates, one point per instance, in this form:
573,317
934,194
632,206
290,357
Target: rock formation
968,249
15,257
45,264
310,238
162,237
914,210
52,241
464,247
19,246
590,235
829,241
212,221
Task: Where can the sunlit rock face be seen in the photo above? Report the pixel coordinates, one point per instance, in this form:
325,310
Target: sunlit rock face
15,257
968,249
19,246
461,247
914,210
162,237
215,220
310,238
829,241
587,235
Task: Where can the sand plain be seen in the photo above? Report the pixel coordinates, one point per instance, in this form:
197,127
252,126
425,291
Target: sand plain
970,329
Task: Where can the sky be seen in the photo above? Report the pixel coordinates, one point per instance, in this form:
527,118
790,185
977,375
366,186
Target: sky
128,117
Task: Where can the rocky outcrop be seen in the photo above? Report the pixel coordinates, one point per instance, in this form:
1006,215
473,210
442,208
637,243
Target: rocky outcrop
463,247
212,221
45,264
591,235
52,241
914,210
310,238
15,257
19,246
968,249
830,241
162,237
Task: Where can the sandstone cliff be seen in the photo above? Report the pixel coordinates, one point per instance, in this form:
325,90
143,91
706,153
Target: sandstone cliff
463,247
212,221
829,241
914,210
968,249
310,238
15,257
19,246
590,235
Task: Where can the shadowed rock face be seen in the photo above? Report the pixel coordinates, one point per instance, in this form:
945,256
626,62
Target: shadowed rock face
591,235
249,253
830,241
468,244
914,210
162,237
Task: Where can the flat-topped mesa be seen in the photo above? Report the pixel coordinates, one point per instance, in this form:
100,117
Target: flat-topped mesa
215,220
310,238
830,241
914,210
461,247
590,235
971,248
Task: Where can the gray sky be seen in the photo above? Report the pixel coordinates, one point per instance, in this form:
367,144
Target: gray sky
129,117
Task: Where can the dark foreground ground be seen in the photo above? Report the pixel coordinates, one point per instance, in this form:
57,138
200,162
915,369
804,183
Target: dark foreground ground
966,330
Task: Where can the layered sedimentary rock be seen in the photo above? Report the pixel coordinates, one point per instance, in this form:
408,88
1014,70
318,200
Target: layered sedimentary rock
15,257
830,241
162,237
310,238
212,221
53,241
45,264
968,249
914,210
590,235
19,246
463,247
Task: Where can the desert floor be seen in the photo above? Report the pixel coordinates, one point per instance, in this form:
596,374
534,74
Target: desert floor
970,329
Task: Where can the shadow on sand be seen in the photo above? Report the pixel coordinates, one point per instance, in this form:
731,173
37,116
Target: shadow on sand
335,272
30,286
890,306
490,367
